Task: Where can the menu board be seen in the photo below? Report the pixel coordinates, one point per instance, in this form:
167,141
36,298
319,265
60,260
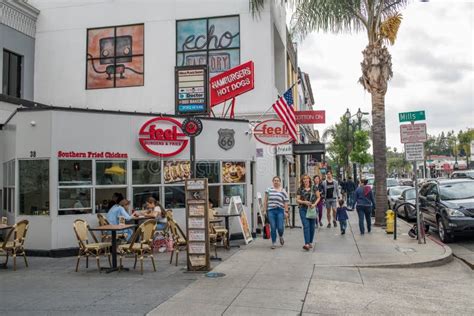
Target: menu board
197,224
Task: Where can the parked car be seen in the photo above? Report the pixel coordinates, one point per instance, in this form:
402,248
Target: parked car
392,182
448,205
405,182
408,195
393,193
462,174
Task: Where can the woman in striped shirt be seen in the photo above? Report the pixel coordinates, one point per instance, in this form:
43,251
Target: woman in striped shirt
276,206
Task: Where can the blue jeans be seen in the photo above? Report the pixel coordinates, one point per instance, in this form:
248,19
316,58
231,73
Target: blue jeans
350,199
308,226
364,211
343,225
276,216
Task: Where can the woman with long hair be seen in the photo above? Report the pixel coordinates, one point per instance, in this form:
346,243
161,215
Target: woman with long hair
307,197
318,186
365,202
276,206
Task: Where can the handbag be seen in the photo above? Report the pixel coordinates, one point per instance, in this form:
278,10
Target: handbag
311,211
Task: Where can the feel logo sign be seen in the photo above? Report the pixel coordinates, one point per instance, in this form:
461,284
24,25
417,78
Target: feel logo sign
411,116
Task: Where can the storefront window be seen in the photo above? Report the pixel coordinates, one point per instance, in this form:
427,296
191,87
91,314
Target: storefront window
75,172
215,195
174,197
111,172
9,186
141,194
234,190
34,187
209,170
233,172
74,201
176,171
146,172
103,198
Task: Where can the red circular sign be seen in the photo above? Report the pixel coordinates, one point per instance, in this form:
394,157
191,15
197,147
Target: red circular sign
163,136
272,132
192,126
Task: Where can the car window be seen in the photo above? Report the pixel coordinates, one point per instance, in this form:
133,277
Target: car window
371,181
457,191
396,191
410,194
392,182
424,189
433,190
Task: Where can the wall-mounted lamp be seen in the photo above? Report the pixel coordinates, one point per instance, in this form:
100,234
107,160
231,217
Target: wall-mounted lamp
33,123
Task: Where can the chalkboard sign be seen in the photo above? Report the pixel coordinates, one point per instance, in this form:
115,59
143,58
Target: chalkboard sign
236,207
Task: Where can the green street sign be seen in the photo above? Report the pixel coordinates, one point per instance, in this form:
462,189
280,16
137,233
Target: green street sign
411,116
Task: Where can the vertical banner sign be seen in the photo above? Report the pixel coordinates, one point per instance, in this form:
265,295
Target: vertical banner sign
191,90
197,225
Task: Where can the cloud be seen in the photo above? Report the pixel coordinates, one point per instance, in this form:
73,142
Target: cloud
398,80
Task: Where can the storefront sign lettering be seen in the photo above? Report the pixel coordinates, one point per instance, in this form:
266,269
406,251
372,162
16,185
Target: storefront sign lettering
272,132
163,137
91,154
231,83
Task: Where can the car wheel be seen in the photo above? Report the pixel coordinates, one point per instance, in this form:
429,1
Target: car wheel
443,234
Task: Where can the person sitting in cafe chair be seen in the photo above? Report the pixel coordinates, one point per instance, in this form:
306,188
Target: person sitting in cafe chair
118,210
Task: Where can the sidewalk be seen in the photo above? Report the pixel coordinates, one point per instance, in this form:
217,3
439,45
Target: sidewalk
259,280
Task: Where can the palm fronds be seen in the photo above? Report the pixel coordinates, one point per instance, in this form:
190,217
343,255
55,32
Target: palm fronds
389,28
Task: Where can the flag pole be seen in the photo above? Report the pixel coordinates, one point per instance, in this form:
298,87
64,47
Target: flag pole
271,106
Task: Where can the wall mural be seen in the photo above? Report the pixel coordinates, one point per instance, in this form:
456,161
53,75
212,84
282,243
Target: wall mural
115,57
212,41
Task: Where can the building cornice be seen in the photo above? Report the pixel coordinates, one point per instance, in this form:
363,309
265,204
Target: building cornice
19,15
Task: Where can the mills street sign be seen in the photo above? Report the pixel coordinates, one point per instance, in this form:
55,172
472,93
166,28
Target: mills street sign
411,116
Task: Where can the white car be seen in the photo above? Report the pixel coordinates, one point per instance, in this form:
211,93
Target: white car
393,194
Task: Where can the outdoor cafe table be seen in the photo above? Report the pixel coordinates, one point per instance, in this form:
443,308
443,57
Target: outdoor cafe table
226,217
113,229
137,219
4,227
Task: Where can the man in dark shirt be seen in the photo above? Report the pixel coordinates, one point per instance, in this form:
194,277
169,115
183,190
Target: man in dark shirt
350,187
331,193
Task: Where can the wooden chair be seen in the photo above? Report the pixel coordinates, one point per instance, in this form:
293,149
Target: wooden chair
140,247
104,235
86,249
180,241
14,246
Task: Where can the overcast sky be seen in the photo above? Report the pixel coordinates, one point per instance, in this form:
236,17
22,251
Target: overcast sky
432,62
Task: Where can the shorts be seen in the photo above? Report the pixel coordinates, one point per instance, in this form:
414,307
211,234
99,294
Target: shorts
330,203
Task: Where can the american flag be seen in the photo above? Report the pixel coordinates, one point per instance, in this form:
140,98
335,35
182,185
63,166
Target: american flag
284,109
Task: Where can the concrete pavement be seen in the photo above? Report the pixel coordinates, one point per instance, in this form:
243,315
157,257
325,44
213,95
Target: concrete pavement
260,281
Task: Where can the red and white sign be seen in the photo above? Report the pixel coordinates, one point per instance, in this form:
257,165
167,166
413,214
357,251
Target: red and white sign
310,117
163,136
272,132
413,133
91,154
231,83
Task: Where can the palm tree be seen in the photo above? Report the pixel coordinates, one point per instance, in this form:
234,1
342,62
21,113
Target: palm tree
380,19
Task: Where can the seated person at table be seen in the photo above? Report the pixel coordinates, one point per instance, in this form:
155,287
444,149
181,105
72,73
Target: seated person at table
120,209
154,209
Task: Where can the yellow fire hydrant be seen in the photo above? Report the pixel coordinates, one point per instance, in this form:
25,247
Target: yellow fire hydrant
390,223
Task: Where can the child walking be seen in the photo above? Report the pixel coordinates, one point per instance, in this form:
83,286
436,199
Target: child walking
341,216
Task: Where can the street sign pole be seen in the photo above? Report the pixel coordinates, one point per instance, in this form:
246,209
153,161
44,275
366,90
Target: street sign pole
417,205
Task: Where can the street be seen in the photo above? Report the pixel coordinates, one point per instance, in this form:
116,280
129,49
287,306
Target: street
462,247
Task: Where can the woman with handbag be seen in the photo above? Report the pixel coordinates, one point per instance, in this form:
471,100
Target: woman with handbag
307,198
276,206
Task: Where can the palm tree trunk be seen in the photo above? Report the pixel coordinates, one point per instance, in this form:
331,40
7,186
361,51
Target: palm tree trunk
380,158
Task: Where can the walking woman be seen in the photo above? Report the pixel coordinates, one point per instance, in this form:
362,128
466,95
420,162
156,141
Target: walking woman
276,206
307,196
318,186
364,199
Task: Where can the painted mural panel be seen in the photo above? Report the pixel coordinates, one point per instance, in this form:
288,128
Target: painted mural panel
115,57
211,41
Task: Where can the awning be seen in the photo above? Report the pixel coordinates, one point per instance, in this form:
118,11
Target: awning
308,149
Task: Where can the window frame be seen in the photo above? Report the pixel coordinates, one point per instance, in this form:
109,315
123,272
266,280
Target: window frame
19,73
207,50
17,195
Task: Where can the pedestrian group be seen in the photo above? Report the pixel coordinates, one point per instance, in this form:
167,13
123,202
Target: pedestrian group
312,197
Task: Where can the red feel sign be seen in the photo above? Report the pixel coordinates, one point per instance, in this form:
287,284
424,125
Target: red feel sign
162,136
231,83
310,117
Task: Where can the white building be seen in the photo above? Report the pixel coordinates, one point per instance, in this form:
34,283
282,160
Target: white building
111,56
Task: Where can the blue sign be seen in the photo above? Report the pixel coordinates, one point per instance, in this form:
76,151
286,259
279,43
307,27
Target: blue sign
192,108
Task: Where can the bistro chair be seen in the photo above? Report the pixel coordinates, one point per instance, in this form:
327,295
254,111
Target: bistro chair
105,236
14,246
180,241
86,249
140,247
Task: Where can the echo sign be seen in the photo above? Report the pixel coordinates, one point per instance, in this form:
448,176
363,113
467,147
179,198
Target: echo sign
231,83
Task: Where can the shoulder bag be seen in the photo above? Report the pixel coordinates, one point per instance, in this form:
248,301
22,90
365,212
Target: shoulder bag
311,211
